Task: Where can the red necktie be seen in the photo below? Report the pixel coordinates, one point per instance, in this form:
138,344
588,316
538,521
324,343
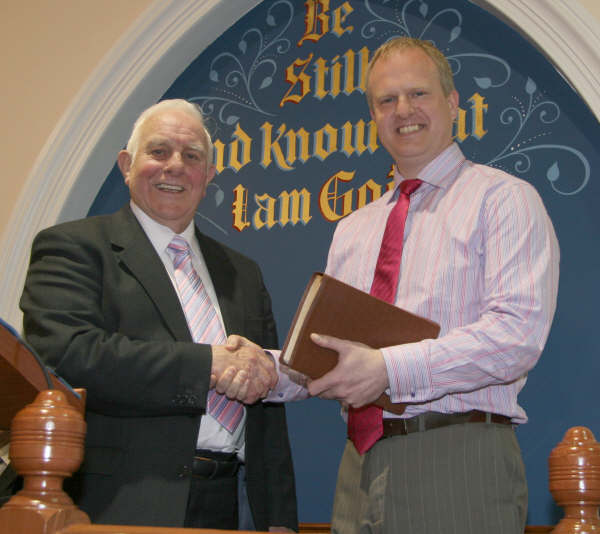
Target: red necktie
365,425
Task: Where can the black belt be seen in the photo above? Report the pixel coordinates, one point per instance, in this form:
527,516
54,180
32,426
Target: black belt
431,420
210,464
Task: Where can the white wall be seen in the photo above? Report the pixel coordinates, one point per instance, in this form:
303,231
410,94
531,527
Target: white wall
49,49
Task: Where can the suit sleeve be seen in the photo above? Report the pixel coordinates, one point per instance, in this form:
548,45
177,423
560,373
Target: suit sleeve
91,321
278,483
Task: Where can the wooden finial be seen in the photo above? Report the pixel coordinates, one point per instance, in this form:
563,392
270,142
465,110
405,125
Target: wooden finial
574,476
47,439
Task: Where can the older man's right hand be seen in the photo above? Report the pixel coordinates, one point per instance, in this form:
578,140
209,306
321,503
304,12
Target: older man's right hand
253,370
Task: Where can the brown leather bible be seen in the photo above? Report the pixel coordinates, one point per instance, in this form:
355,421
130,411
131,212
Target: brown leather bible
334,308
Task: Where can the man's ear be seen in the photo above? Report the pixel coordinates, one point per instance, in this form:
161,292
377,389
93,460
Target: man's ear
453,104
370,104
124,163
210,173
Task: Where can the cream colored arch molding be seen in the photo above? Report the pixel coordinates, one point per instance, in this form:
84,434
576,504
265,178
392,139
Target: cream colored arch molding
160,45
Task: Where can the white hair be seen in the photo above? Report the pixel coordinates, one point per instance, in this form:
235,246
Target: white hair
179,104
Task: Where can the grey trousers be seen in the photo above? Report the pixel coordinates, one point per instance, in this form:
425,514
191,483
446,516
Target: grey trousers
459,479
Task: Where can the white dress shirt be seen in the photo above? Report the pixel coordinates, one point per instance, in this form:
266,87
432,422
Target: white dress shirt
212,435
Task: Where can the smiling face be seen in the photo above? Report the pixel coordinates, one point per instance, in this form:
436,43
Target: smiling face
412,114
168,176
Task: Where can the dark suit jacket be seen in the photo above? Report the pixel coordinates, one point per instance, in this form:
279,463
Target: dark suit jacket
100,308
9,483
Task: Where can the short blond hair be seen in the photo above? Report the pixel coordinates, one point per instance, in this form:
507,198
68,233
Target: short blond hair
399,44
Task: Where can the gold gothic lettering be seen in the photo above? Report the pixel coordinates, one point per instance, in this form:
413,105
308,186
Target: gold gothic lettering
340,15
479,109
327,132
345,74
294,207
291,208
270,147
239,208
285,147
293,79
316,21
239,151
241,145
289,146
313,19
331,193
266,206
329,197
349,147
476,114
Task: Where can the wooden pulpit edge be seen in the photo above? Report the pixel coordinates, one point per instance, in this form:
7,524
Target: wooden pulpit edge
23,376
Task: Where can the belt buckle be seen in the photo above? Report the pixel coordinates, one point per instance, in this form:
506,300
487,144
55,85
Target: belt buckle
214,465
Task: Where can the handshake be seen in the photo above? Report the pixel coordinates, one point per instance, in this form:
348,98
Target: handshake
243,371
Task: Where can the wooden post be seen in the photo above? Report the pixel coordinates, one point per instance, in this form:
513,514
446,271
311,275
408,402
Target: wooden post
574,474
46,446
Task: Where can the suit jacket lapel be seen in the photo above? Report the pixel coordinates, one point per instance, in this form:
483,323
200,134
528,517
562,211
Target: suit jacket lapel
223,275
135,251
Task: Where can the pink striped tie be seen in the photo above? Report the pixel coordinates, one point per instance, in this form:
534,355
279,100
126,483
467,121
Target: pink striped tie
365,425
204,325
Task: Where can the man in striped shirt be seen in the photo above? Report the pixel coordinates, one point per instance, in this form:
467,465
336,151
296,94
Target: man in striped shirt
480,257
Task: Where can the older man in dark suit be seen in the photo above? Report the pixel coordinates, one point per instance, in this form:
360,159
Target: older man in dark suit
134,307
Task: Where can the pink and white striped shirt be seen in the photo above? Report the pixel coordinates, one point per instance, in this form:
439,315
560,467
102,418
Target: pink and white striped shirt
481,258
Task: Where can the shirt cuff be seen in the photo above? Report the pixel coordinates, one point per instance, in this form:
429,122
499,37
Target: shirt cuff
285,390
408,373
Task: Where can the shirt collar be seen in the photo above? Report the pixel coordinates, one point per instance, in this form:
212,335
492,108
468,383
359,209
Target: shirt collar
159,234
441,171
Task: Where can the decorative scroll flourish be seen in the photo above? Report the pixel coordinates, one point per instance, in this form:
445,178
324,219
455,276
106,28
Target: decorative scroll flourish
246,74
483,82
239,79
401,25
379,25
517,150
219,196
518,154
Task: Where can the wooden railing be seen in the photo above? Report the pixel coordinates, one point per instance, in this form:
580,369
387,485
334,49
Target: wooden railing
47,445
47,437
